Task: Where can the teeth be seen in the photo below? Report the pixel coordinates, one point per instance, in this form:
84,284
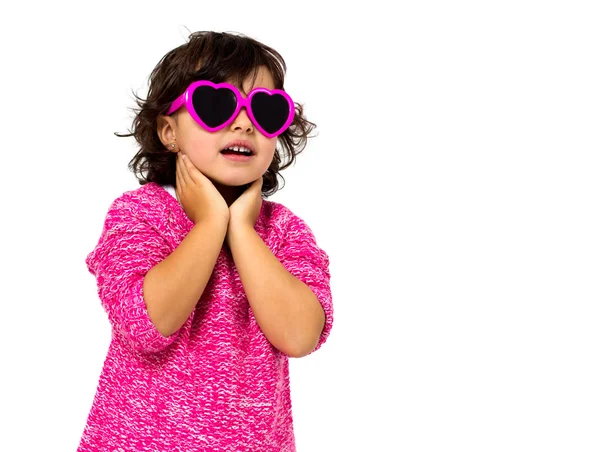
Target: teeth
241,149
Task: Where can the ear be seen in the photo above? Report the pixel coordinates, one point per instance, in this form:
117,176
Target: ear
166,128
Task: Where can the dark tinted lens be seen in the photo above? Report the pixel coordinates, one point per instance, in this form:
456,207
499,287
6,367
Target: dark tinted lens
271,112
214,106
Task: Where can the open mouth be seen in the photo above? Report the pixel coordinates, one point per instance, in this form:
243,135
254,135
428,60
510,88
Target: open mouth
237,150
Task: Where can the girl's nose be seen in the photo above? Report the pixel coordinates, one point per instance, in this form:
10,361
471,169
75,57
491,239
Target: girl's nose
242,122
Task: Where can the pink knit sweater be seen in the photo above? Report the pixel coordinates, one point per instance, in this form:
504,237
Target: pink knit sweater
216,384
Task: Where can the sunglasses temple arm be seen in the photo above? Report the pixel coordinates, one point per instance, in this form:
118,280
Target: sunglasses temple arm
176,105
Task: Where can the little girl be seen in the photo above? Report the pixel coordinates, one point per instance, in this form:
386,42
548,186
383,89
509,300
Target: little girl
208,287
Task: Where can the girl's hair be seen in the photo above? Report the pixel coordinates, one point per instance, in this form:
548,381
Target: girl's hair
216,57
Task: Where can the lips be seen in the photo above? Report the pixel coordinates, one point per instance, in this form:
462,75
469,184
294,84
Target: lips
240,147
237,157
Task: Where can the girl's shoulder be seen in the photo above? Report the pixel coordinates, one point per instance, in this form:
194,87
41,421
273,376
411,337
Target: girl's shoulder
284,220
147,213
146,202
143,194
148,206
276,215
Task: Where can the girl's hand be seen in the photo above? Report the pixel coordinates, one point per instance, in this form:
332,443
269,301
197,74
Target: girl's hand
245,210
196,193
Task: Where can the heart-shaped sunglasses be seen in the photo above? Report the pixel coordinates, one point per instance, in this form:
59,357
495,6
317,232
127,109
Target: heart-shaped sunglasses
216,105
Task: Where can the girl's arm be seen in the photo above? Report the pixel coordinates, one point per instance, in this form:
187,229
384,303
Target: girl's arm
173,287
294,315
132,261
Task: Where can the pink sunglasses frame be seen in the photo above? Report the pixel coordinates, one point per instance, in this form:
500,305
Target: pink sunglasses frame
186,99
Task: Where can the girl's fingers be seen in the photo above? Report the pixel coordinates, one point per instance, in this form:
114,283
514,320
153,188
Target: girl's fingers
256,186
192,174
185,171
178,181
178,172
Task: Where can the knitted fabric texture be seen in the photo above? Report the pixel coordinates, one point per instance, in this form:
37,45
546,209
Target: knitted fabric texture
216,384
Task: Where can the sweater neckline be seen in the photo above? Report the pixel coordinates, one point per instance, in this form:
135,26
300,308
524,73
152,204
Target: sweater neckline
176,205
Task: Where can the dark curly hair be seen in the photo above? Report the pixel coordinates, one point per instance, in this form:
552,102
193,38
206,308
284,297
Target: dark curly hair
216,57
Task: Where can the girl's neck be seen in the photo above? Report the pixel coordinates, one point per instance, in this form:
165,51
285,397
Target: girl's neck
230,194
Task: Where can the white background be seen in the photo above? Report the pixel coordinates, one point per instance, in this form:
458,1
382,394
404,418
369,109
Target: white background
454,184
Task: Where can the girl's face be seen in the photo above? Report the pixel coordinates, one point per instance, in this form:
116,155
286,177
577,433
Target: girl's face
204,148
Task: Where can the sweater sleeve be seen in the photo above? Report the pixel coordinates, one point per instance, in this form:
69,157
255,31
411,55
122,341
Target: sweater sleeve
127,249
303,258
